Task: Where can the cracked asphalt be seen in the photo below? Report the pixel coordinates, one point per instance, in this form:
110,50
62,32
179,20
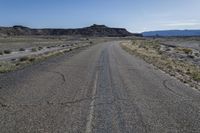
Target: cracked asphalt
100,89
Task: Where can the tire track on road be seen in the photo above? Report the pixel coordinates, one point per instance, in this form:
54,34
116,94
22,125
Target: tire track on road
126,92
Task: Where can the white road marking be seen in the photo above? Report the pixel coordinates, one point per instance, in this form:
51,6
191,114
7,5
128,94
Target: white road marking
91,113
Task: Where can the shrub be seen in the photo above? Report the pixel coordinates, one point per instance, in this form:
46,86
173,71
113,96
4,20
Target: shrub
33,49
21,49
1,52
185,50
22,59
40,48
7,51
196,76
197,54
31,59
191,56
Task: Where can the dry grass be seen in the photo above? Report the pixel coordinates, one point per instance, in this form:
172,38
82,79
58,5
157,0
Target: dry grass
184,50
149,50
34,50
6,67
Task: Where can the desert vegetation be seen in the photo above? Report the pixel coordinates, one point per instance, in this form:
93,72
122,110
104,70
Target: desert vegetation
33,49
174,60
37,50
7,66
7,51
22,49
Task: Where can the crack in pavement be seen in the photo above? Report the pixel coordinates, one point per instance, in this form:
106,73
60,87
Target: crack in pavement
62,75
69,103
184,98
171,90
59,73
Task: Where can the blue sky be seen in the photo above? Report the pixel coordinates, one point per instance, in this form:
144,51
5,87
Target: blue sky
135,15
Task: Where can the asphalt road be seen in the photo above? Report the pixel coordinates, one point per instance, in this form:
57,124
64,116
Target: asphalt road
101,89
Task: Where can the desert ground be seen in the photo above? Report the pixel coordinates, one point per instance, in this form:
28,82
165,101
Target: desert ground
19,51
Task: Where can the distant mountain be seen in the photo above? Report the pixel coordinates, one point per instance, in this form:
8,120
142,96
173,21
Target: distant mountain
173,33
94,30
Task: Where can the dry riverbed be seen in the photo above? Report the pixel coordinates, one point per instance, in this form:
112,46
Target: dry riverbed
177,60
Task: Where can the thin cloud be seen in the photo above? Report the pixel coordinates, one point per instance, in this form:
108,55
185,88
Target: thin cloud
180,24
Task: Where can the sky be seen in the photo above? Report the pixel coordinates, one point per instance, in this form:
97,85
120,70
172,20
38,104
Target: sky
134,15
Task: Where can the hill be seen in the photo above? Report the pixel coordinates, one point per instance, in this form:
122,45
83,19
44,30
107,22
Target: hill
94,30
173,33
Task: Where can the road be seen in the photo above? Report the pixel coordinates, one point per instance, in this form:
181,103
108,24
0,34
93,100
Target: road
101,89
